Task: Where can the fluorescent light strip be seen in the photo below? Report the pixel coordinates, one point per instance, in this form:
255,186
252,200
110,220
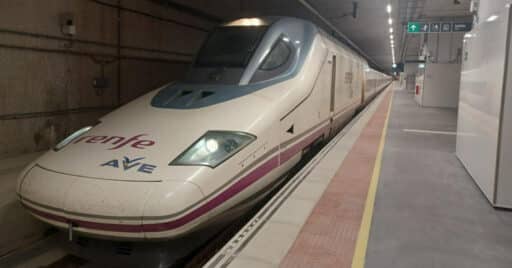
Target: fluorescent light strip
389,8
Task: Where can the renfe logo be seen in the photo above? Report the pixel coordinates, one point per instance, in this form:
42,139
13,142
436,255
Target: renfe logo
118,141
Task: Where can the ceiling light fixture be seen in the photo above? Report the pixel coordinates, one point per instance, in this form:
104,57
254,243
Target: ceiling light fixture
388,8
390,30
390,21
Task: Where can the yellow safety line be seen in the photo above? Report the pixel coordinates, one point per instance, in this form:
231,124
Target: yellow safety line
358,260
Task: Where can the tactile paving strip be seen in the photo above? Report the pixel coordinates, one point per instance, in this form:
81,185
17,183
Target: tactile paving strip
329,236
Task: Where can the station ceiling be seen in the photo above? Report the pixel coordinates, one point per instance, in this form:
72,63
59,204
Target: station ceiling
369,30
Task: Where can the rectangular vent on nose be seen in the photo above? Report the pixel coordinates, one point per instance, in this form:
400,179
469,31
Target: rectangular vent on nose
185,93
176,96
205,94
199,96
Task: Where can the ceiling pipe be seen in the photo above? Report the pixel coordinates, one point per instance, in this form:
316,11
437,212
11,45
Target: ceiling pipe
411,12
353,13
344,38
403,43
190,10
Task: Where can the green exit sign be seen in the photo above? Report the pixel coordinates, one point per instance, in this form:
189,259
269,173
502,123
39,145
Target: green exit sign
413,27
438,27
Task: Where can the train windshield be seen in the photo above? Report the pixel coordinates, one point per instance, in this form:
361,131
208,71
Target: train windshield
230,46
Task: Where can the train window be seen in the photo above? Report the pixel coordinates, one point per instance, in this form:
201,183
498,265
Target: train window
230,47
276,62
277,57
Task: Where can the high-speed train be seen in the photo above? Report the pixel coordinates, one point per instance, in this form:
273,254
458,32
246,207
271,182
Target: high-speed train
190,154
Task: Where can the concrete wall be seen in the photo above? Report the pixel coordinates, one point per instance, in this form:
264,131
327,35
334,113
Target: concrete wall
410,70
444,47
46,77
17,227
441,85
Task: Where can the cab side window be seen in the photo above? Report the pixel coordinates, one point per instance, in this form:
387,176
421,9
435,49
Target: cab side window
277,57
276,62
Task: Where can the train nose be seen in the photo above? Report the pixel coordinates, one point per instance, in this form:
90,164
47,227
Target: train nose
103,207
62,198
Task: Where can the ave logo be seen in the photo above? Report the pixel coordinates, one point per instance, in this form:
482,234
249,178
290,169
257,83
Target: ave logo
130,164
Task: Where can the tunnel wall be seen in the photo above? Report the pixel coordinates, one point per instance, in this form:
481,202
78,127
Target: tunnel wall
46,77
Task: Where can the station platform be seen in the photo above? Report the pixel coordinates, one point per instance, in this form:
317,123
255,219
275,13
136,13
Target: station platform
388,191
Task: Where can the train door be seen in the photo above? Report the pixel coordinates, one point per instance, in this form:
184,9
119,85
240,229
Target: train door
343,91
358,82
304,118
332,94
362,78
349,81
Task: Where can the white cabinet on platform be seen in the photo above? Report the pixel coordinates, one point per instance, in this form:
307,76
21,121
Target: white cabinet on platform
484,134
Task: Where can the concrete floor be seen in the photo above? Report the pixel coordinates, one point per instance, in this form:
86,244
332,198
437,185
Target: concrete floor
428,211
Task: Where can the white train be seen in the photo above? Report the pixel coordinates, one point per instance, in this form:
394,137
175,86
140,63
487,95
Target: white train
193,154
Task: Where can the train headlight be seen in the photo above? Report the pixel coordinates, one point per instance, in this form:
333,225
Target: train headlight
71,137
213,148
